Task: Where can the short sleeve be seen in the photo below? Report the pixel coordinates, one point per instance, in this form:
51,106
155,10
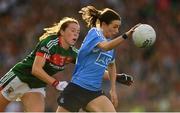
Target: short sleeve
93,38
44,47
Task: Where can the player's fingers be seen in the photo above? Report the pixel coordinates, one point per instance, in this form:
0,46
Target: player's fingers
137,25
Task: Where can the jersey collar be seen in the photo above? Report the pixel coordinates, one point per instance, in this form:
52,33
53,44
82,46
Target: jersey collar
60,41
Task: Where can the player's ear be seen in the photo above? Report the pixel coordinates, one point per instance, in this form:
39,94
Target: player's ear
61,32
103,23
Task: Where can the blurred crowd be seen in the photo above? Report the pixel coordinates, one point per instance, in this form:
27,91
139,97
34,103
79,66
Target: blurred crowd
156,70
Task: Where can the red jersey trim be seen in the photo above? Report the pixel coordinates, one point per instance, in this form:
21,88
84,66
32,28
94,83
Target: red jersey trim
43,55
39,54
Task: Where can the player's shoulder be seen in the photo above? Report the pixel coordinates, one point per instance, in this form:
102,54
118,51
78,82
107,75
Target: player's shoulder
95,31
50,39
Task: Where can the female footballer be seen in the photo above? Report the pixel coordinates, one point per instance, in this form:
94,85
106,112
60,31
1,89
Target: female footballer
27,79
85,90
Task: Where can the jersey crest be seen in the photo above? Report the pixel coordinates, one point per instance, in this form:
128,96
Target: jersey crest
103,59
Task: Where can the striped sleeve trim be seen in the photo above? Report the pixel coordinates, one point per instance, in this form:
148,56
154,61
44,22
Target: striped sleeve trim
52,43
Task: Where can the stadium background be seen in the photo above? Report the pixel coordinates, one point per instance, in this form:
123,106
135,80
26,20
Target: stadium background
156,70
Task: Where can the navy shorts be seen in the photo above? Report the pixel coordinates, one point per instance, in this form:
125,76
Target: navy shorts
74,97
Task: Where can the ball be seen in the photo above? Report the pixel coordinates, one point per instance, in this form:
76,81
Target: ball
144,36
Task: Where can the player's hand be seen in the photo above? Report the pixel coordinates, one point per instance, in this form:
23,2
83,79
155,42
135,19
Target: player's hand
124,79
61,85
129,33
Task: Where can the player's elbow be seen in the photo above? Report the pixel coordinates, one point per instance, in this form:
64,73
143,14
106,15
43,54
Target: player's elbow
104,46
35,70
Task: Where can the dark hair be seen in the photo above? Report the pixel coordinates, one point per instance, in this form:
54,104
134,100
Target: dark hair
90,15
55,30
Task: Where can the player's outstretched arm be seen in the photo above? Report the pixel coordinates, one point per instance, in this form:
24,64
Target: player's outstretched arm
109,45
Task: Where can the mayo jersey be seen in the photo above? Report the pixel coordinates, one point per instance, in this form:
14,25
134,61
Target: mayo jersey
91,61
56,59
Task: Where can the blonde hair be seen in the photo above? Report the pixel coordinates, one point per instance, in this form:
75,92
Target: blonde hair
57,27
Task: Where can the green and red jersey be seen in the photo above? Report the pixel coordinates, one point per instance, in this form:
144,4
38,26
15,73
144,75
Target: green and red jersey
56,59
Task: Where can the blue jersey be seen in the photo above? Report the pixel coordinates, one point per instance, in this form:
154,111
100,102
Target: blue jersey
92,61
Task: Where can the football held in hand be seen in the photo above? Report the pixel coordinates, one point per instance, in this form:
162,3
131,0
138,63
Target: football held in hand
144,36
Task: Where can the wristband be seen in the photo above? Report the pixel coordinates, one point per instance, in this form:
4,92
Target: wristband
55,83
124,36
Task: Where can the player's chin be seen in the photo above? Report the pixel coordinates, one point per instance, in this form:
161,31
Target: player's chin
72,43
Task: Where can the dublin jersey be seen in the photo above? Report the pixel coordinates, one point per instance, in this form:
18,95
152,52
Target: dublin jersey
56,58
91,61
